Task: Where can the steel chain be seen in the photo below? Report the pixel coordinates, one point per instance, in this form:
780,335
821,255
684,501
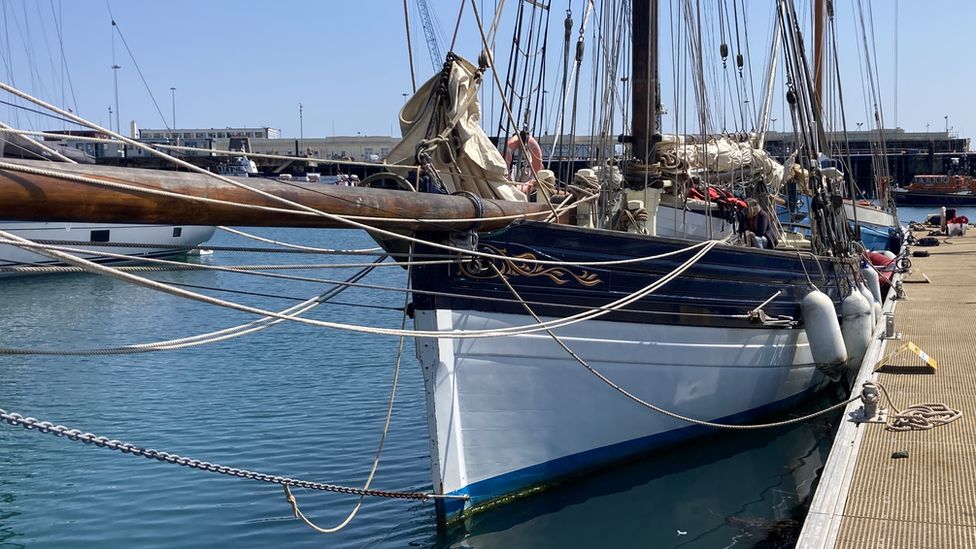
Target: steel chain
127,448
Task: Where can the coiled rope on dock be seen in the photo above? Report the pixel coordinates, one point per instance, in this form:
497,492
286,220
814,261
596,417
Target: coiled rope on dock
47,427
917,417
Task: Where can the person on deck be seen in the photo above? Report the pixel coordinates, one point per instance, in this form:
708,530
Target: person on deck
756,227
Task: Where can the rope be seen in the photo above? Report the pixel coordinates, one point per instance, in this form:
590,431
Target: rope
379,450
122,186
917,417
191,167
508,110
90,266
297,249
353,220
221,152
922,417
653,407
293,246
241,269
200,339
47,427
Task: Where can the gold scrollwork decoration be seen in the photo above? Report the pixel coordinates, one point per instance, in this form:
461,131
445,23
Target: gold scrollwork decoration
480,267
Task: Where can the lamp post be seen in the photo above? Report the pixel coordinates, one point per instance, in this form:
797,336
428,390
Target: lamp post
859,124
172,92
115,78
946,123
301,125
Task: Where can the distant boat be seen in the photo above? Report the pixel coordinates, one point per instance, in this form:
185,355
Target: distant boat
241,166
936,190
99,238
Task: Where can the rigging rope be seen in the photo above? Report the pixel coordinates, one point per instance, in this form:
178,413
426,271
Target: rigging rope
648,405
59,254
379,449
201,339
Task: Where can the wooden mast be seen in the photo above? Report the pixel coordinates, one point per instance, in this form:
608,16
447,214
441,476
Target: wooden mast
645,80
819,21
34,197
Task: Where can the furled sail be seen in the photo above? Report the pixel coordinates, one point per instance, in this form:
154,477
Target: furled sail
721,158
442,121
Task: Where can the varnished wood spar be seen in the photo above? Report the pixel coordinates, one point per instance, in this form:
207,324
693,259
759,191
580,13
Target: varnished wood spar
32,197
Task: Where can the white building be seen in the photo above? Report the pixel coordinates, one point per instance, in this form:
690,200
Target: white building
199,134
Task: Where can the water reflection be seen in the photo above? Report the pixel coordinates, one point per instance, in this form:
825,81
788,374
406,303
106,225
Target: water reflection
733,489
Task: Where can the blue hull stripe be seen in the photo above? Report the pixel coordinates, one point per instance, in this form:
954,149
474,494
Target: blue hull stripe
485,491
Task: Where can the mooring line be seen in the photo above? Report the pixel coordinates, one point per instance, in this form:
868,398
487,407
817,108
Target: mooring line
379,449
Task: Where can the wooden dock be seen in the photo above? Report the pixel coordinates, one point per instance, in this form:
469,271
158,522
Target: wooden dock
871,497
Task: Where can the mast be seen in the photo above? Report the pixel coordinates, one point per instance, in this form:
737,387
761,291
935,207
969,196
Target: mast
645,79
819,20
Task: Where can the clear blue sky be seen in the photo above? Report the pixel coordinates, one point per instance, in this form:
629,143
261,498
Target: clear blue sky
251,63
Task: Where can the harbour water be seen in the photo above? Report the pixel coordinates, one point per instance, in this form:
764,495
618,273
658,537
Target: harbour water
309,403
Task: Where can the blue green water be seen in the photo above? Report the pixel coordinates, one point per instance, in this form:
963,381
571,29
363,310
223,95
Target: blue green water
309,403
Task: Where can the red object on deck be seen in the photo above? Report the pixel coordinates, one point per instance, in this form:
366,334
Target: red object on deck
884,264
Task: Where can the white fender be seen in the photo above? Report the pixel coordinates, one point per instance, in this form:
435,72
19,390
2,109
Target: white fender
871,279
857,326
823,329
870,299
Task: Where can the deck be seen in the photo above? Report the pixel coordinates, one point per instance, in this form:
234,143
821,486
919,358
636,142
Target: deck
869,499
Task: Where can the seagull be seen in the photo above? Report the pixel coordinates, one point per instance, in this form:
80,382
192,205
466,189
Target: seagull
680,533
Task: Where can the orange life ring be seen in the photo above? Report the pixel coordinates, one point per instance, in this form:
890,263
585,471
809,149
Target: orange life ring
535,155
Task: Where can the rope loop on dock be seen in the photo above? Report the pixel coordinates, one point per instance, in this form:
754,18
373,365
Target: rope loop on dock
922,417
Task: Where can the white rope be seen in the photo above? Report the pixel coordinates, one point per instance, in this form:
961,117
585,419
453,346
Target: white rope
333,217
255,270
923,417
306,209
379,449
295,246
159,192
123,186
220,152
649,405
38,144
199,339
56,252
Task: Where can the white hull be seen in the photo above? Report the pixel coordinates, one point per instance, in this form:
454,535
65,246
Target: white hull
509,413
870,215
83,234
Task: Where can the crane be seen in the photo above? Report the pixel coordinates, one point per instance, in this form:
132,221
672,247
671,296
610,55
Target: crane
436,59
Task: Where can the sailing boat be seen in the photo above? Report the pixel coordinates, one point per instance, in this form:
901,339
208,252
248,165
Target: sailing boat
630,323
548,348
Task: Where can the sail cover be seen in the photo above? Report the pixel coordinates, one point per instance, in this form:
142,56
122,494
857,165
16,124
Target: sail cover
722,155
443,119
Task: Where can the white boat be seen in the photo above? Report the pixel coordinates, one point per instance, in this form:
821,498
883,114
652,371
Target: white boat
144,240
510,415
